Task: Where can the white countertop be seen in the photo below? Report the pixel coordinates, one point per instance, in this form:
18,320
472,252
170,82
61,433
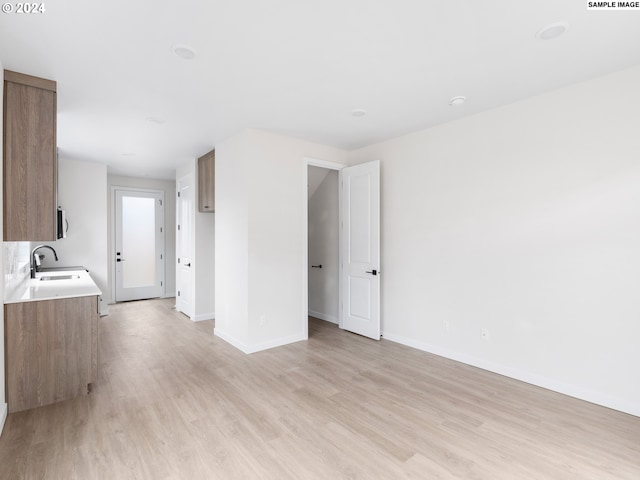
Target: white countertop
35,289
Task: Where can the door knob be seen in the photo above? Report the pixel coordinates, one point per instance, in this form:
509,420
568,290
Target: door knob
187,264
373,272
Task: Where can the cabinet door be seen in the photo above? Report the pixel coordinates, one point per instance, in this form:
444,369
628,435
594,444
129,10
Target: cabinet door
206,182
29,158
51,350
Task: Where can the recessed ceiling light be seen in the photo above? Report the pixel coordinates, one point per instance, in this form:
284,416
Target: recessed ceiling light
358,112
457,101
184,51
552,31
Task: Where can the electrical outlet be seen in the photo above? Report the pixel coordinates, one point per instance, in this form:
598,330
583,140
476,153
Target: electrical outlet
484,333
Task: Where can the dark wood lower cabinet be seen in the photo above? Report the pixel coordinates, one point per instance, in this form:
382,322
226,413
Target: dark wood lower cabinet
51,350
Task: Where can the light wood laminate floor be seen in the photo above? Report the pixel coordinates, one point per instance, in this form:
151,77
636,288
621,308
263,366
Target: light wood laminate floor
174,402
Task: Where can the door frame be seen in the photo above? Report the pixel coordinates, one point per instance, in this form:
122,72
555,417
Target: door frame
112,221
316,162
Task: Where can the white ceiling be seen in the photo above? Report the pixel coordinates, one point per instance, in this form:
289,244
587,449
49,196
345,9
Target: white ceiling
297,67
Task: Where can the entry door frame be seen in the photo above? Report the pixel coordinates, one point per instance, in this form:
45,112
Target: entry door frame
315,162
112,221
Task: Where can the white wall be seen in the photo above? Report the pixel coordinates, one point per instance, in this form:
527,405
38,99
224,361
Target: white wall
524,221
260,237
205,267
82,192
323,248
169,188
232,239
202,251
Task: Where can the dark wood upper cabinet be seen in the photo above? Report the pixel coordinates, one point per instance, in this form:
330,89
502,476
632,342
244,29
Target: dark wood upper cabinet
30,163
206,182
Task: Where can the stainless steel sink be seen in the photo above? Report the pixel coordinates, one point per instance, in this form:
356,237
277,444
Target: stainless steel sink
59,277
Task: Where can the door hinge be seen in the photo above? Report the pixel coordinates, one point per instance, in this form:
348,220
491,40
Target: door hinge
178,227
160,283
178,194
160,256
178,260
160,202
178,292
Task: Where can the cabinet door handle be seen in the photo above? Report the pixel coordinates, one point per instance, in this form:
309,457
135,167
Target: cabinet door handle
187,264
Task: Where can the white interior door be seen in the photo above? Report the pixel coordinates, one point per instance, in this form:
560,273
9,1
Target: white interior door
360,249
139,245
184,245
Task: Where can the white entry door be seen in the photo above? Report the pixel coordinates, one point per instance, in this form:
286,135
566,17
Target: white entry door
184,245
139,244
360,249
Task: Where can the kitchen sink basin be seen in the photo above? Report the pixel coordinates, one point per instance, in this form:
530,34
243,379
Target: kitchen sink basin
59,277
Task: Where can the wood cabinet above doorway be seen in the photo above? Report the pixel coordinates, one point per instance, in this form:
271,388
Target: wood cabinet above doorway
206,182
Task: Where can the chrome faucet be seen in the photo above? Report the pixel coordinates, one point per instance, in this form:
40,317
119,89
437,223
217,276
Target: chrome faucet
35,258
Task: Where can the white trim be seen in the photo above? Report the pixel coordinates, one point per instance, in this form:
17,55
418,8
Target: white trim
112,221
527,377
204,316
248,349
231,340
316,162
306,162
3,415
324,316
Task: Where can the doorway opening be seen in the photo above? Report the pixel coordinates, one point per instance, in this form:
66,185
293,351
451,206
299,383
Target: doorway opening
358,247
321,286
323,243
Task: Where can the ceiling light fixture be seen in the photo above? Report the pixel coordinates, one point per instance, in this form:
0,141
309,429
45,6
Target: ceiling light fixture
184,51
457,101
358,112
552,31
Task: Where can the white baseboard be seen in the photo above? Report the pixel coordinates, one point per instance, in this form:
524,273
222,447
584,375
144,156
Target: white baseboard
527,377
323,316
3,415
231,340
204,316
248,349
